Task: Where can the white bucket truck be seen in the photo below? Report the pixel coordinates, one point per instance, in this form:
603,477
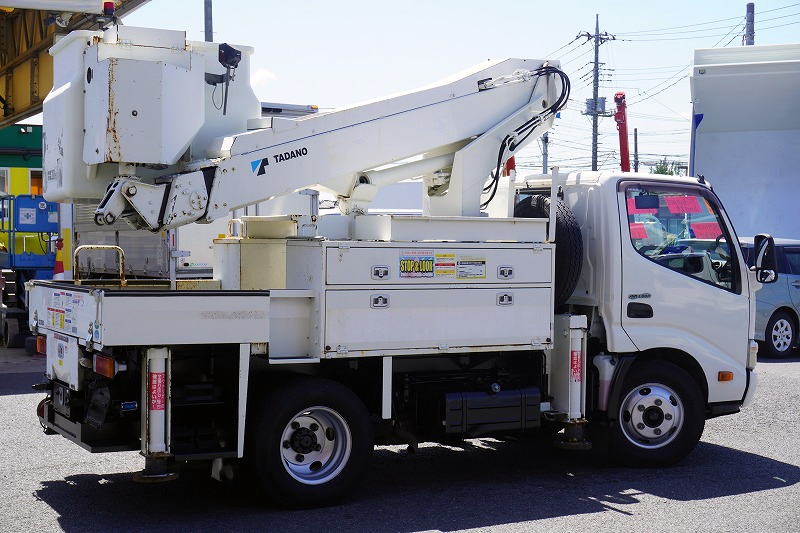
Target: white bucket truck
320,336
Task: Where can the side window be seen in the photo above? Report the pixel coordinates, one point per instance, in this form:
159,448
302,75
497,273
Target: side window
681,229
793,258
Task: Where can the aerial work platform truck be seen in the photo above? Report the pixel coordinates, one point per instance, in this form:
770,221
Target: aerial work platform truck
611,309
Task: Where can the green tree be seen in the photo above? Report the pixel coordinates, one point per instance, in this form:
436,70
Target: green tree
662,167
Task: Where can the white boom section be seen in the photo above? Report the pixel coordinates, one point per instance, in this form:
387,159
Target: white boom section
450,132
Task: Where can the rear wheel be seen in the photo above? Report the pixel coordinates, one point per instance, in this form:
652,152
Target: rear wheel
780,336
312,442
660,418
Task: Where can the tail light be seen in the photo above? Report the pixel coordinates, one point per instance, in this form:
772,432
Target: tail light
105,366
41,344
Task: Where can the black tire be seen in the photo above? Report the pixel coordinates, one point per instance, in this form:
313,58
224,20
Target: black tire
645,385
780,336
11,336
569,243
279,408
30,345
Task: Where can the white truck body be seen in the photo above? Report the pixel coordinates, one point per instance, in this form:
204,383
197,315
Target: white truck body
319,335
746,133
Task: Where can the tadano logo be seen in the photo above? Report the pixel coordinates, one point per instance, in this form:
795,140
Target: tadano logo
259,166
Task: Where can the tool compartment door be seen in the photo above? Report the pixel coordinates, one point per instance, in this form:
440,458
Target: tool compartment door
436,319
437,264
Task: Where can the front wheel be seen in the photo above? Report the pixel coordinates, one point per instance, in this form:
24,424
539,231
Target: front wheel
660,418
312,441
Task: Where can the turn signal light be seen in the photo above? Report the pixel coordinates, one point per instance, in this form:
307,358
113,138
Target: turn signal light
725,376
41,344
104,365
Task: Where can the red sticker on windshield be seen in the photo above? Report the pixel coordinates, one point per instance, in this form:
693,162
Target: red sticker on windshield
638,230
633,210
683,204
706,230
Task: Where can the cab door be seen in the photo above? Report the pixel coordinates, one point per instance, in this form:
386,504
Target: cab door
792,254
683,280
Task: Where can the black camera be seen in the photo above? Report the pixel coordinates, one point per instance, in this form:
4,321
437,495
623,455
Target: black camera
229,57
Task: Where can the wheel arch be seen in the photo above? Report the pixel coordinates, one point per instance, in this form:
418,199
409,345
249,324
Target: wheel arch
363,379
677,357
791,311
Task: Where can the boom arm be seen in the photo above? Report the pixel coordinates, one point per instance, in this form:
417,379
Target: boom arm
456,134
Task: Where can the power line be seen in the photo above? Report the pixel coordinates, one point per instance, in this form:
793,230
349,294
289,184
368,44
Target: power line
639,32
559,49
660,91
705,36
665,67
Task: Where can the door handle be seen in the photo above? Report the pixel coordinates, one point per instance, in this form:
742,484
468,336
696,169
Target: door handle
639,310
796,283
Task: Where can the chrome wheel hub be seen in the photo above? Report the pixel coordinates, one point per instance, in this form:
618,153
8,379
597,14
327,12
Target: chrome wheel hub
651,415
315,445
782,335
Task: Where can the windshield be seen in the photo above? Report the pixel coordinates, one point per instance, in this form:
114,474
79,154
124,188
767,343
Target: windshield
682,229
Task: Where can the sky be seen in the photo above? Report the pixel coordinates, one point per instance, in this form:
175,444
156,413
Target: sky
337,53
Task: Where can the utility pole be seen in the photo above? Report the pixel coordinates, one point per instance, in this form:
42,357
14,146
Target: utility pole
209,22
593,109
750,22
636,149
545,141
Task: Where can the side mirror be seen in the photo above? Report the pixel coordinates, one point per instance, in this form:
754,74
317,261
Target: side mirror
764,265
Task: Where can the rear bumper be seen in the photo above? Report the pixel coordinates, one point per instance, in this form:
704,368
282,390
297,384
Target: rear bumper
81,434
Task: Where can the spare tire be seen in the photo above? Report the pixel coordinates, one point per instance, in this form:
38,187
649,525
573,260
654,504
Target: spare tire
569,243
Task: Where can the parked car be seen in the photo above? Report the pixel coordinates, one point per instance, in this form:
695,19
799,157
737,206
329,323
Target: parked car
778,304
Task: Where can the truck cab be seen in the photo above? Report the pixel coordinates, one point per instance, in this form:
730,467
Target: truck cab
665,273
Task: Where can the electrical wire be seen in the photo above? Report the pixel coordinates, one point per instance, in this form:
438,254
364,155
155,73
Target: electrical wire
741,26
639,32
559,49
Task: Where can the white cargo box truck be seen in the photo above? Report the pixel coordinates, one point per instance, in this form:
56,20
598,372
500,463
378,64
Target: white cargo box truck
498,310
746,133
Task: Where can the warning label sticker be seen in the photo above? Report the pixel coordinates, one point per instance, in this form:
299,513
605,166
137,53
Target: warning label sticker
61,313
416,263
441,265
471,267
445,266
157,391
575,366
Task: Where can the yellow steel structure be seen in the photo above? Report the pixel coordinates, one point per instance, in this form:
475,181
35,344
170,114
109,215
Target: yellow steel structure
26,68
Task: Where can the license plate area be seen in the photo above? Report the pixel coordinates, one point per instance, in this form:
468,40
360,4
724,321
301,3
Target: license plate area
62,398
62,359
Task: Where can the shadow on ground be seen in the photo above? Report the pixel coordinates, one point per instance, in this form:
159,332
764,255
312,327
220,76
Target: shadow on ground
20,383
793,358
485,483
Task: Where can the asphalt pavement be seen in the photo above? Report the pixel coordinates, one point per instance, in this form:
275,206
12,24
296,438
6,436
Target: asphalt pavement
743,476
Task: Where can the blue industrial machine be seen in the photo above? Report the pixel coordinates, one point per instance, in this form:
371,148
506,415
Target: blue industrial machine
27,226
